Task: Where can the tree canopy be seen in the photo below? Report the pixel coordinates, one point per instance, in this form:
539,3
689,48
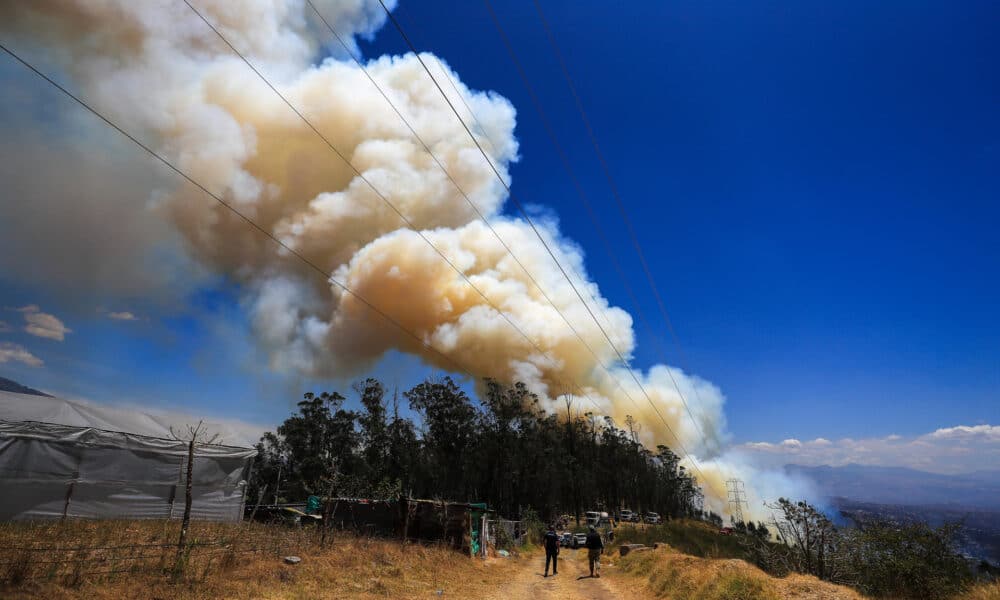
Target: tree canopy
502,448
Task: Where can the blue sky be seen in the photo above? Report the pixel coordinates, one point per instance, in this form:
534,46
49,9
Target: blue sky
814,185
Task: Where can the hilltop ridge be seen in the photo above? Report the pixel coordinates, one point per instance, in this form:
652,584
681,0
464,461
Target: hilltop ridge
9,385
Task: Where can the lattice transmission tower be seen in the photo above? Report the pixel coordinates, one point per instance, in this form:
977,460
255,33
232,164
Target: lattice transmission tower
737,498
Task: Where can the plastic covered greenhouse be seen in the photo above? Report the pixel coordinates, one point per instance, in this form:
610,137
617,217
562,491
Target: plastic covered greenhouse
60,458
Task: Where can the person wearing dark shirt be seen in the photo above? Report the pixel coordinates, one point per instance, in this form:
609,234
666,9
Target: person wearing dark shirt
551,542
595,547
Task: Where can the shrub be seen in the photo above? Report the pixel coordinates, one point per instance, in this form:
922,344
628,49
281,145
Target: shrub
909,560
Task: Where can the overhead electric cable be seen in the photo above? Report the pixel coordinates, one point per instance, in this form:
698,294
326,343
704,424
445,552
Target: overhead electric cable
527,218
382,196
596,222
581,193
253,224
440,165
618,201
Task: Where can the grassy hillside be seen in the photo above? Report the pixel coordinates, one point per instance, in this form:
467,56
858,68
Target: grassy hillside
667,573
701,564
696,538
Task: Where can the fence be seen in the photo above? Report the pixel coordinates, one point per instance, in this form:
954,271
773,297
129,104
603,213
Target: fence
68,552
503,533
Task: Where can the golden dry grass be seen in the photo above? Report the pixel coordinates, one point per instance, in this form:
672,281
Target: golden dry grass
989,591
349,568
667,573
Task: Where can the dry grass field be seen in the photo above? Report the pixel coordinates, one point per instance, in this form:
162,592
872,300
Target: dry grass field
128,560
983,592
667,573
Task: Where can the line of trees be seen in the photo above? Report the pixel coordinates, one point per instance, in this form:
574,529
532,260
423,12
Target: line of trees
503,449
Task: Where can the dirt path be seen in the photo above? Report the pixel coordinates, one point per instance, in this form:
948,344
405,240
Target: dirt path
572,582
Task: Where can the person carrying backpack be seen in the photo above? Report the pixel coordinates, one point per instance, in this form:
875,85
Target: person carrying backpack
595,547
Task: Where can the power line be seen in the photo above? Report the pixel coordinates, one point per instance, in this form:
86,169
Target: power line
535,230
461,191
618,201
253,224
596,222
527,218
327,276
553,138
424,238
545,244
430,152
406,220
382,196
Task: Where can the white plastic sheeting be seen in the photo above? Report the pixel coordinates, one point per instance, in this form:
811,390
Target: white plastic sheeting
48,470
83,413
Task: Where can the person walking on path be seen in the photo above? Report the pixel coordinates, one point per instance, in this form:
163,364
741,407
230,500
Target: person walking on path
595,547
551,541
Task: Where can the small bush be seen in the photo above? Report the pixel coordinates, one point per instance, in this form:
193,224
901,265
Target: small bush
742,587
690,537
911,561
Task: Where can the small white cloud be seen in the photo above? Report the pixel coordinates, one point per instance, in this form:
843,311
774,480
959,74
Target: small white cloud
123,316
791,443
10,352
821,442
987,432
43,324
893,438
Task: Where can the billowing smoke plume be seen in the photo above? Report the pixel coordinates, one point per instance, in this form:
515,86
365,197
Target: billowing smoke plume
158,70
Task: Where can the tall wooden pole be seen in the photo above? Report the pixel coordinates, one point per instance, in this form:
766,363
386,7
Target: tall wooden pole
186,522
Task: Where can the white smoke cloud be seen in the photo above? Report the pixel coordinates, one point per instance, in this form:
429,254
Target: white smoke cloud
156,68
80,219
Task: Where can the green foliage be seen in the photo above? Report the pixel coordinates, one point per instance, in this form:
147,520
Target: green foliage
534,527
909,560
812,538
883,559
504,450
740,587
685,535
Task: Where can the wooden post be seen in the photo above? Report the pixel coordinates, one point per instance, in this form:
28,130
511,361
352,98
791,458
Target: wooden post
446,523
406,521
173,490
326,513
484,536
246,488
260,497
186,522
69,493
74,476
